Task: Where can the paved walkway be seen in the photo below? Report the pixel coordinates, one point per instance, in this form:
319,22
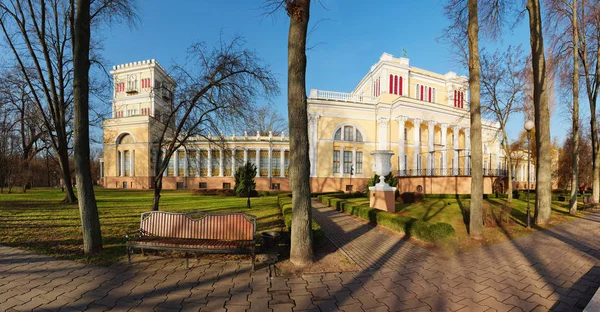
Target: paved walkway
557,269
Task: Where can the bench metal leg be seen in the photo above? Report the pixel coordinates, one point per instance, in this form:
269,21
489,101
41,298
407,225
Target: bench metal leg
129,255
143,252
253,259
187,261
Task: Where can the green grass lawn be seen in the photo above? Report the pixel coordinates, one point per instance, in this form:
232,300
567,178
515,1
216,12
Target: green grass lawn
449,210
37,221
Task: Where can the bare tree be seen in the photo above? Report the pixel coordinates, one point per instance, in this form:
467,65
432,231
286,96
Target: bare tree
265,120
502,93
216,87
38,34
589,53
27,124
543,198
563,20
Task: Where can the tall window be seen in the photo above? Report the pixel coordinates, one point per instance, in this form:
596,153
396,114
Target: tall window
459,99
395,84
252,157
286,162
215,162
181,163
347,161
127,163
171,168
239,159
433,97
203,163
227,163
391,89
336,161
405,134
276,163
193,163
359,137
421,95
264,163
400,85
359,163
376,87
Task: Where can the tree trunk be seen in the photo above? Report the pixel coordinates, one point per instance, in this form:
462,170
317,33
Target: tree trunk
301,252
90,223
543,198
157,188
509,187
595,153
475,221
65,172
575,157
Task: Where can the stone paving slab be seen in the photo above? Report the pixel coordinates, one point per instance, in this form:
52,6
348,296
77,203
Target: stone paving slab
555,269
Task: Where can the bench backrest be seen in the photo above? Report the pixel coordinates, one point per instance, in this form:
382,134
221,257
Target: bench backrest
226,226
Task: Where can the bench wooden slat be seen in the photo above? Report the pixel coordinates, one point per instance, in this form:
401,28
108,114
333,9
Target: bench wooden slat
208,231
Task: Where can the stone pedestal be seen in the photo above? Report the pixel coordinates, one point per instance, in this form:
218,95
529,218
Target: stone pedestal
382,197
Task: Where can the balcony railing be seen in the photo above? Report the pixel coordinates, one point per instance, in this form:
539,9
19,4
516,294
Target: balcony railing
341,96
440,172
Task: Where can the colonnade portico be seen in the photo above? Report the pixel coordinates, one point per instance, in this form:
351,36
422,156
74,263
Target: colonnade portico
235,162
433,159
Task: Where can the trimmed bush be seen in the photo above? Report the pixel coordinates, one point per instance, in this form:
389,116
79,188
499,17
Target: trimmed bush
317,194
400,223
411,197
516,194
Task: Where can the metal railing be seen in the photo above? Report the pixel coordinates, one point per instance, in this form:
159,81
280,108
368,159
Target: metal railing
441,172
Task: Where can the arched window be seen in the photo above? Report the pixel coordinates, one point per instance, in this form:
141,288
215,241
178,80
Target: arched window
358,136
395,84
348,133
391,89
126,139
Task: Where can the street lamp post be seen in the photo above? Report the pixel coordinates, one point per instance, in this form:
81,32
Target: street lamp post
528,126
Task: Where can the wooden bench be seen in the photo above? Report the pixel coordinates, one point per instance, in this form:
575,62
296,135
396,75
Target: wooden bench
195,232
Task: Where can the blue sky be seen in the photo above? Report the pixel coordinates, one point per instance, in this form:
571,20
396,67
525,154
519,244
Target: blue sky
347,37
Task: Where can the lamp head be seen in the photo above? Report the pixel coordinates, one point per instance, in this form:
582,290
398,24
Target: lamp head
528,125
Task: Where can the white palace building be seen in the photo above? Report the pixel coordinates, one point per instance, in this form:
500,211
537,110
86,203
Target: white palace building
420,115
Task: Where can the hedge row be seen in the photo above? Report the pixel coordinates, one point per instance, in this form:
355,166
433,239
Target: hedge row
400,223
317,194
285,204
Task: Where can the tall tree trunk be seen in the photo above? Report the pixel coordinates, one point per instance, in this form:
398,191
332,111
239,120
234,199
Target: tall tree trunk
509,188
475,221
65,172
301,252
543,198
575,159
90,223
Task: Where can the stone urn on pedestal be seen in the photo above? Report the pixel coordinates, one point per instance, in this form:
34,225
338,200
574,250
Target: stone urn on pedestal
382,195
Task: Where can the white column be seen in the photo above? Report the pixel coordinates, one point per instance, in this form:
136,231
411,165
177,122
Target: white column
341,161
233,162
270,167
245,156
258,162
102,169
401,125
430,141
122,161
176,163
417,143
282,163
456,132
382,127
313,120
132,163
444,164
209,165
467,148
221,162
